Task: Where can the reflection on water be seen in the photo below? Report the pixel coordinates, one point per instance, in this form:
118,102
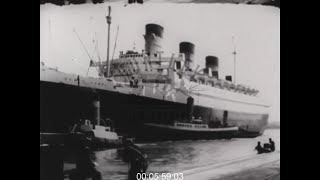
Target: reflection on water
176,156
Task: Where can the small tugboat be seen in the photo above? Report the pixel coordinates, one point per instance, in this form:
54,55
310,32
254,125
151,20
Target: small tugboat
102,136
194,130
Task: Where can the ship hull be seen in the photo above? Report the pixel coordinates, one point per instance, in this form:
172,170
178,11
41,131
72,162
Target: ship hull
62,105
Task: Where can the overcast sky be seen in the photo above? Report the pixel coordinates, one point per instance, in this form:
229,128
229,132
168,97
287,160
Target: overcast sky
210,27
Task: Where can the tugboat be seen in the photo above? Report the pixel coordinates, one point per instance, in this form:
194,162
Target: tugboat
194,130
191,128
101,132
101,136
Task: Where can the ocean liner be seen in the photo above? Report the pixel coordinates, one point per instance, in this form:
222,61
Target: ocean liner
145,87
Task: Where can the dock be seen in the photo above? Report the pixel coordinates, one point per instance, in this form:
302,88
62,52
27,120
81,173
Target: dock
262,167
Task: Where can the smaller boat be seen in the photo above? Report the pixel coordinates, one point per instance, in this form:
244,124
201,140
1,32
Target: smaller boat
194,130
102,136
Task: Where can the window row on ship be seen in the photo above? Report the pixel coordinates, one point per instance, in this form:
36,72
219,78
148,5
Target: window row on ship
189,125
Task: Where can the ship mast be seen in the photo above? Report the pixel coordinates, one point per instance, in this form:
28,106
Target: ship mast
109,22
234,60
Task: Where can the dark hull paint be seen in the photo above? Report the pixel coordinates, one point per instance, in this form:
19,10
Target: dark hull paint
62,105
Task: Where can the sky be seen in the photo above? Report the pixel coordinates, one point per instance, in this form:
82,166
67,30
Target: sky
210,27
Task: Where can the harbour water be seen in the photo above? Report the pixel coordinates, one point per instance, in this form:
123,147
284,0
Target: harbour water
178,156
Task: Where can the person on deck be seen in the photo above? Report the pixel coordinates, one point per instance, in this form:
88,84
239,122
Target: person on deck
131,81
78,80
136,81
